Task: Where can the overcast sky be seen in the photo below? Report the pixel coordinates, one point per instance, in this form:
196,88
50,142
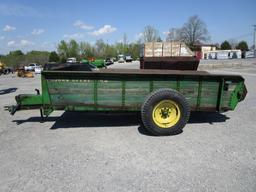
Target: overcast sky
41,24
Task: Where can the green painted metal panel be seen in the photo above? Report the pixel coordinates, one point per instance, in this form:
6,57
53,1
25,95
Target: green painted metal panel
92,91
189,88
135,92
29,99
124,94
209,94
68,92
110,93
164,84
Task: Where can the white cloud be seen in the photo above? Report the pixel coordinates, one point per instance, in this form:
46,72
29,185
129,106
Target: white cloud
25,43
104,30
74,36
2,38
37,31
9,28
20,44
11,43
82,25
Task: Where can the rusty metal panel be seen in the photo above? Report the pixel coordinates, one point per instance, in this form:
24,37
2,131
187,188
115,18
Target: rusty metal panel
171,63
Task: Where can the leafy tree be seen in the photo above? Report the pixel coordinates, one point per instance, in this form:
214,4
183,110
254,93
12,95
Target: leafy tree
87,50
63,59
73,48
40,57
110,51
54,57
119,47
18,59
14,60
100,47
194,31
225,46
150,34
243,46
135,50
63,50
16,53
68,49
99,50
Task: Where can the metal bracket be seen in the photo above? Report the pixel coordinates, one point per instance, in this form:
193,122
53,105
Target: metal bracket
41,110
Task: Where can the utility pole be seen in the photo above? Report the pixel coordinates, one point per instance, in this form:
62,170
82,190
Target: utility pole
254,40
254,37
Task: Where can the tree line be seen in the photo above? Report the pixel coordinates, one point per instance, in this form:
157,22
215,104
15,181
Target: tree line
100,49
17,58
72,48
227,45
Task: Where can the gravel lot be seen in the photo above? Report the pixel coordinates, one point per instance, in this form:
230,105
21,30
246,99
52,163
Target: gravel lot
88,152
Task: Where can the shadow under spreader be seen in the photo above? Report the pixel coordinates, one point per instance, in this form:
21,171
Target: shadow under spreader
98,120
9,90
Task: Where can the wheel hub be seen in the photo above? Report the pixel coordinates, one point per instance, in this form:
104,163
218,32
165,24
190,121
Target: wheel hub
166,114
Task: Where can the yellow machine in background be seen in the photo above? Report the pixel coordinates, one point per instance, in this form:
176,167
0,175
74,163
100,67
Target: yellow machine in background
23,73
5,70
2,65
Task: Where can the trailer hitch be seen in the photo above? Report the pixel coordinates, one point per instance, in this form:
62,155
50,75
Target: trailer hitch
12,109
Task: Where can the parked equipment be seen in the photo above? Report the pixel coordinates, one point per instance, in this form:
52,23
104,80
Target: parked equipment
99,63
168,55
164,97
31,67
5,70
24,74
128,58
71,60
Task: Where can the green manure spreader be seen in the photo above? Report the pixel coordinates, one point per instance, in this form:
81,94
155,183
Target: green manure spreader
163,97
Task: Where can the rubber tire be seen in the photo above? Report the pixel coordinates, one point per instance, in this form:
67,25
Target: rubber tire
152,100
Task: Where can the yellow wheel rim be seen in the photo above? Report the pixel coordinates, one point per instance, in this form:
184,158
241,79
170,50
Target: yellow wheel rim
166,114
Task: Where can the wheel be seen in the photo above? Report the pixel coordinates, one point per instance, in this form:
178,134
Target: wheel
165,112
